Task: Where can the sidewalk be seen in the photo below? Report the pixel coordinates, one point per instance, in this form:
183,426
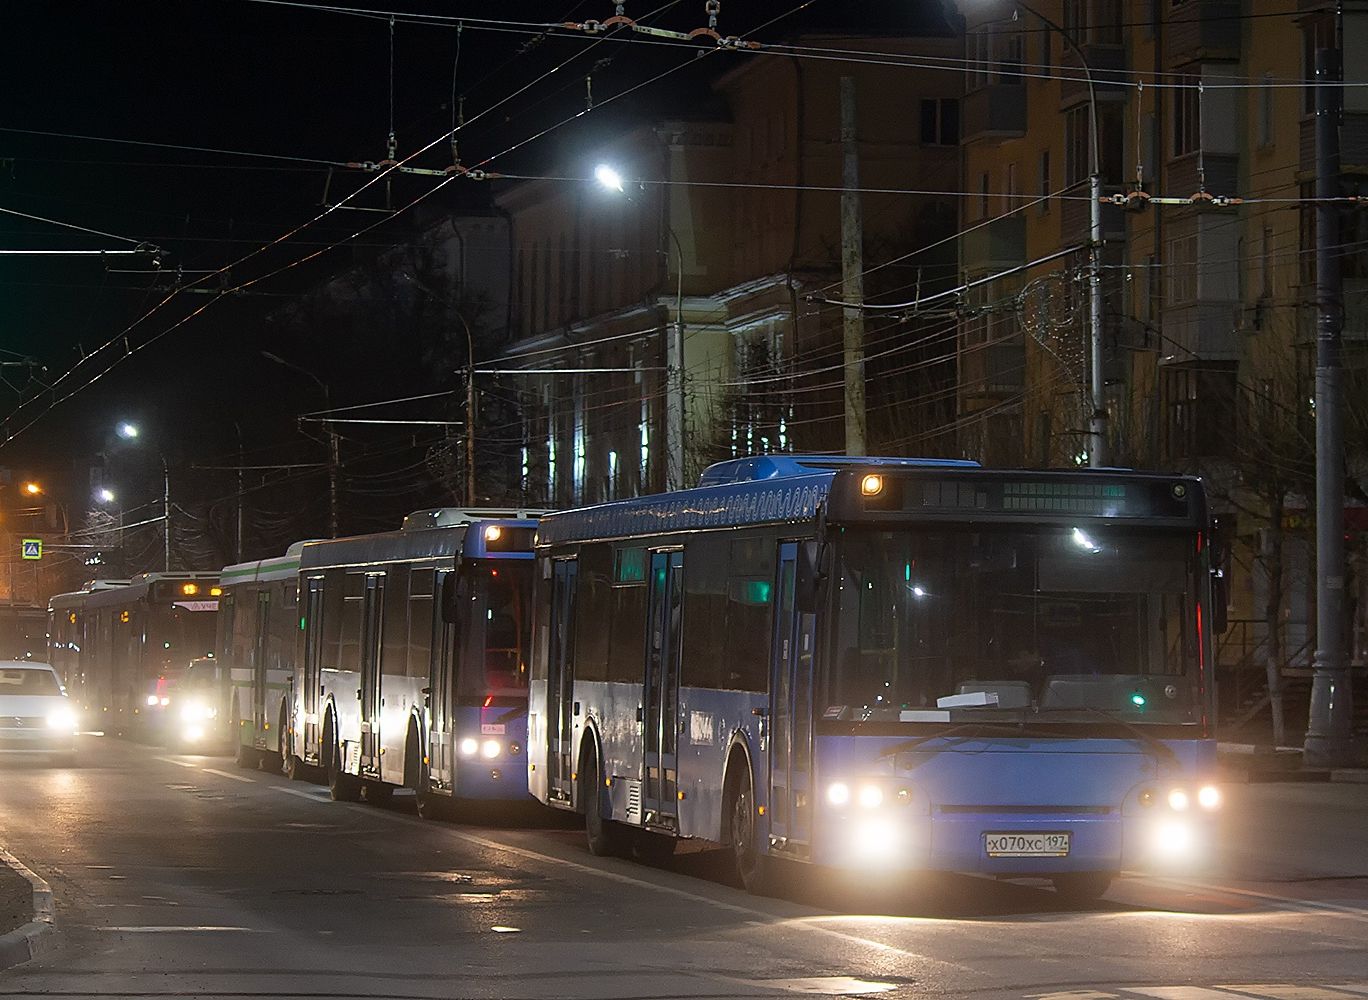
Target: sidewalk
1247,762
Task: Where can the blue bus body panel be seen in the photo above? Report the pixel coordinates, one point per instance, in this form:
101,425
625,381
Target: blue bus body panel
962,789
503,778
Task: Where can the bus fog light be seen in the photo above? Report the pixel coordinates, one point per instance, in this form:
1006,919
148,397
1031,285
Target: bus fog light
1178,800
875,840
838,793
490,749
1209,797
469,747
871,796
1173,839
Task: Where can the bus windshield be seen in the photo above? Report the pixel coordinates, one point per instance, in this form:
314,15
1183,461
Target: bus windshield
1063,623
497,637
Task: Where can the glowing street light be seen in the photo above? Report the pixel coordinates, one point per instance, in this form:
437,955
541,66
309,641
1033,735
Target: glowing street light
608,177
127,431
105,495
33,489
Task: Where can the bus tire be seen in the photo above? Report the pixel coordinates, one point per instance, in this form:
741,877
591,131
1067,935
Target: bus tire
753,867
605,837
1082,887
342,787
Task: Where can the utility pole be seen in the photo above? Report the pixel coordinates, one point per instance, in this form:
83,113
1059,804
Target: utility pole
1097,387
470,414
674,403
334,462
1329,739
852,274
166,515
238,427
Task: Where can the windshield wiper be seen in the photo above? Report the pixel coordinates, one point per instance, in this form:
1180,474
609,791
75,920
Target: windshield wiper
981,727
1157,748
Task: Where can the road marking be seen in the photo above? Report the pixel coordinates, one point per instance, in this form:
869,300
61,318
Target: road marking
844,986
176,929
1302,905
178,763
229,775
1280,991
299,793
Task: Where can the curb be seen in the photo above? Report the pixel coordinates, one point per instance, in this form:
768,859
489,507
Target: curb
36,937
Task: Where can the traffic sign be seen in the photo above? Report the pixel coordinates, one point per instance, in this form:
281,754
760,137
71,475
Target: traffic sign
31,548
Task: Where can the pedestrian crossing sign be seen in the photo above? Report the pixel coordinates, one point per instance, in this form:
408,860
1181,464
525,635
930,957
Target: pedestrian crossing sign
31,548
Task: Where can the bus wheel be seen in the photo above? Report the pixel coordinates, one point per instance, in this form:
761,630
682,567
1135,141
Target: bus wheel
1082,887
752,866
243,755
295,769
342,787
604,836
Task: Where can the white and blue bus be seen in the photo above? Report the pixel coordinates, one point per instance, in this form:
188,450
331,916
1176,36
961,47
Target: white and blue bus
413,659
888,665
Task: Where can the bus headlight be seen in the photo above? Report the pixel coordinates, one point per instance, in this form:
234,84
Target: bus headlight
838,793
62,718
1178,800
1209,797
469,747
152,700
198,710
490,749
871,796
1173,839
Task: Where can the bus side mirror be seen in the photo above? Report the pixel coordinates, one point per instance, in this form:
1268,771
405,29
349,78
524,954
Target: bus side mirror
814,565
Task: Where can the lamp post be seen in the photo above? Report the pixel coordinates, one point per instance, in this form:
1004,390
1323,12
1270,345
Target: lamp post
334,446
1097,421
610,179
131,432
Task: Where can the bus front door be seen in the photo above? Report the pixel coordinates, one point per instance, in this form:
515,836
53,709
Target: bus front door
661,717
261,643
790,791
560,681
313,650
441,696
369,695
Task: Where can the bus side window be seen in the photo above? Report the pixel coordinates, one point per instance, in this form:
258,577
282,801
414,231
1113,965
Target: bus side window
750,580
627,633
593,604
705,606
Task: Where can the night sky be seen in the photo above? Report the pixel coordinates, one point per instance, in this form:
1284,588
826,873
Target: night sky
266,78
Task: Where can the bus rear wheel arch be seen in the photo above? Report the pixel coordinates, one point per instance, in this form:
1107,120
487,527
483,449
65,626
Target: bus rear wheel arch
604,836
742,828
342,787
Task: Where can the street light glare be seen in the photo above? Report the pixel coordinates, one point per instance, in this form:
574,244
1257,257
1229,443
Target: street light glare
106,495
127,430
608,177
32,489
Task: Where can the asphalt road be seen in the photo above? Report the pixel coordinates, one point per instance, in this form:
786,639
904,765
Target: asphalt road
182,876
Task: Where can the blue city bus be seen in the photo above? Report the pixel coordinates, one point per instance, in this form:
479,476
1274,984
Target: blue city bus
889,665
412,663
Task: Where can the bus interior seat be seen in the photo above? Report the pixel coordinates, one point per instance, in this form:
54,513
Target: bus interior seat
1010,694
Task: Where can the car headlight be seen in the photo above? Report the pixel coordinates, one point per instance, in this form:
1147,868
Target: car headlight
871,796
1178,800
1209,797
838,793
62,718
469,747
491,749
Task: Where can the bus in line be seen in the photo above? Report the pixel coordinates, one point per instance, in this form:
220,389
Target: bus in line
885,665
23,632
412,664
122,646
257,636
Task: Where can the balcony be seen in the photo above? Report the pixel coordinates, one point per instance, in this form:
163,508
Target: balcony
1108,66
1221,175
1353,141
1199,331
1203,30
997,111
1000,244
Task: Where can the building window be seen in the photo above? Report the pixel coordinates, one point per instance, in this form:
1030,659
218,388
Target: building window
1104,22
1076,154
1078,144
1187,115
940,121
980,46
1181,268
1199,410
1266,263
1075,20
1045,183
1012,191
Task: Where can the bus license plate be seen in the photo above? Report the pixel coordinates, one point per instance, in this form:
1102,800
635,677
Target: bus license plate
1026,845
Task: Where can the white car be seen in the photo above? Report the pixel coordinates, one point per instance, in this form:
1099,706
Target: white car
36,717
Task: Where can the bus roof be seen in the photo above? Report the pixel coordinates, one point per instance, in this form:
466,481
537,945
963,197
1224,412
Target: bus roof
265,570
783,489
410,543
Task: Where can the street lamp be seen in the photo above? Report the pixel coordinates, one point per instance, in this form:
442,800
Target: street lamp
131,432
1097,422
610,179
33,489
105,495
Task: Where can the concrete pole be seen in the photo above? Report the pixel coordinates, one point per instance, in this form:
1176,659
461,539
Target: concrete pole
852,274
334,463
166,516
1329,735
674,404
1097,424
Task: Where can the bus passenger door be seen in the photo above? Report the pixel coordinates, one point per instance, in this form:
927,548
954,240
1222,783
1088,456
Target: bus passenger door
370,672
560,681
661,715
313,651
790,793
260,643
441,690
